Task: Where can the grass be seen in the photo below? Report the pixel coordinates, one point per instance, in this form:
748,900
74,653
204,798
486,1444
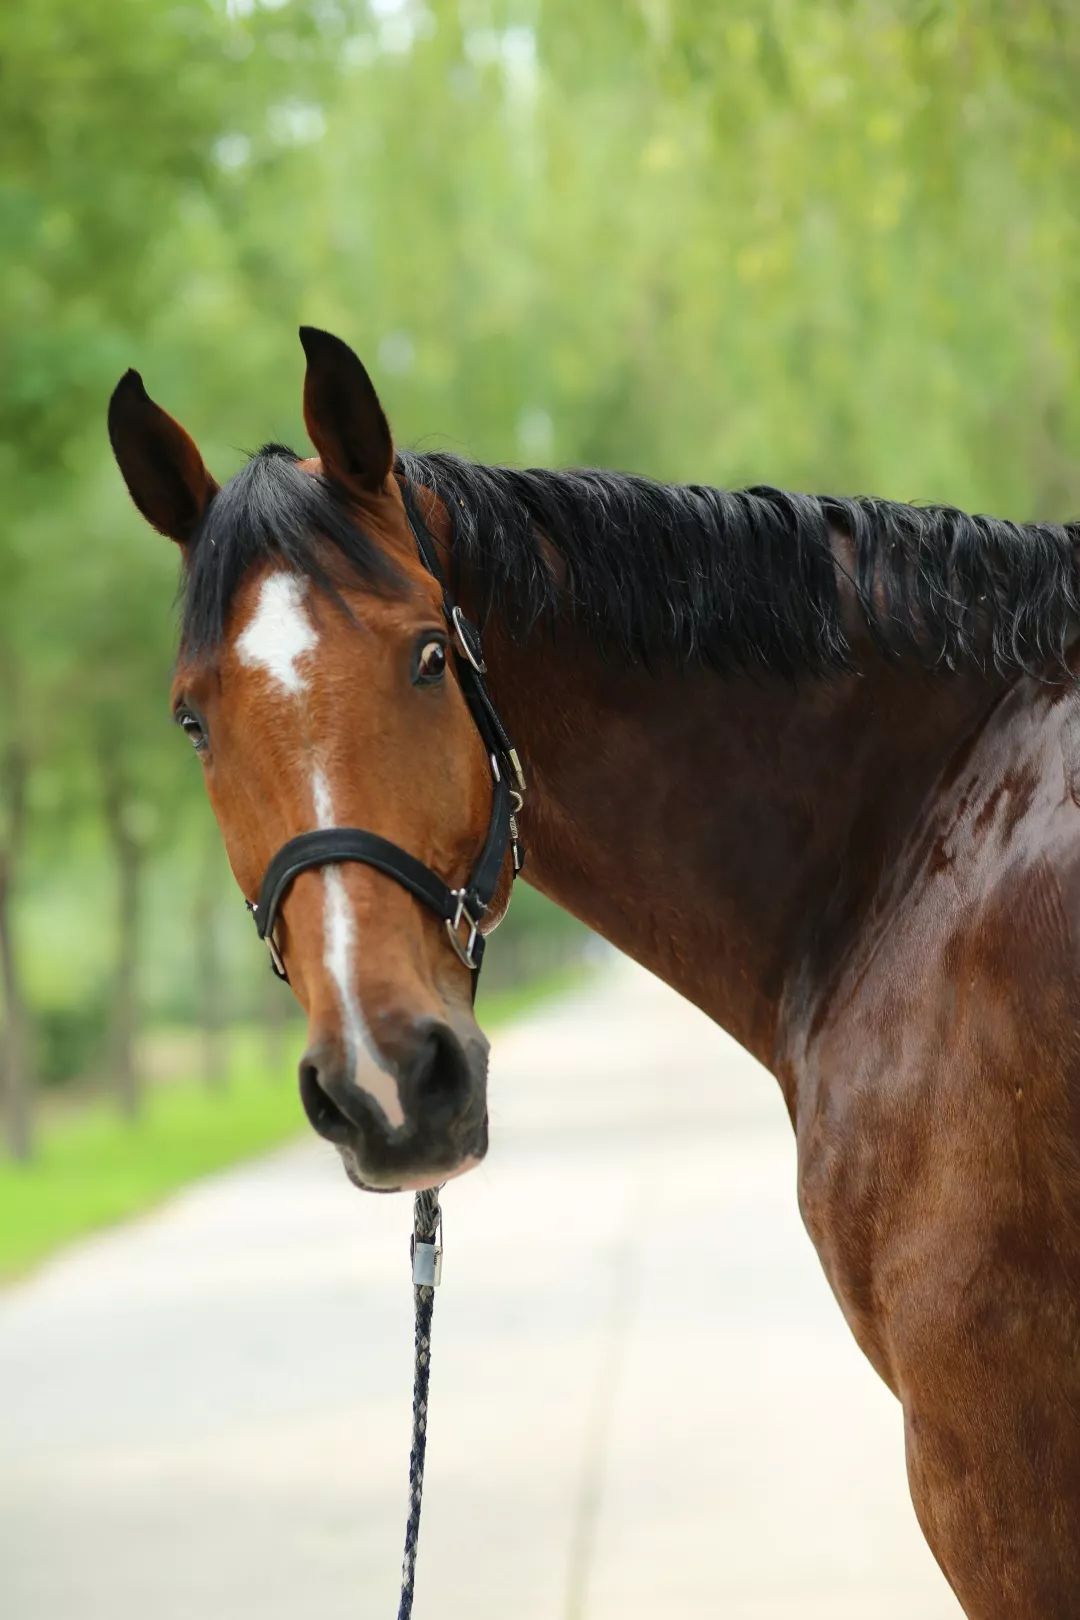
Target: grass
93,1168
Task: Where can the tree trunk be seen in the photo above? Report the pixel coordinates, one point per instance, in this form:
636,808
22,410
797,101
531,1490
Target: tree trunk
127,853
208,972
16,1063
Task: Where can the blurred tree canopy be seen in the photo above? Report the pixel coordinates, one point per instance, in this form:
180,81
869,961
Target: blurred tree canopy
823,243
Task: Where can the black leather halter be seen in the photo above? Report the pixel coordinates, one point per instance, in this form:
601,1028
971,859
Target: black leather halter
462,910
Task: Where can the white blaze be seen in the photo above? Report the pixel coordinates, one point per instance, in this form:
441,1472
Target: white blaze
278,638
280,633
339,941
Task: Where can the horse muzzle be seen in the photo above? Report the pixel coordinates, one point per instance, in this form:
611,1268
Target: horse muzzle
411,1114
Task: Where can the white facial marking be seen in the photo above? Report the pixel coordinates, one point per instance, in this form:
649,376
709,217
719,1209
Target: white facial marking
280,633
339,939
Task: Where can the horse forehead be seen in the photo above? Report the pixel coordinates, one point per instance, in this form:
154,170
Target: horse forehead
279,634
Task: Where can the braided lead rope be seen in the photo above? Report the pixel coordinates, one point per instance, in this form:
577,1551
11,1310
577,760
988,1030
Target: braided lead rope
427,1264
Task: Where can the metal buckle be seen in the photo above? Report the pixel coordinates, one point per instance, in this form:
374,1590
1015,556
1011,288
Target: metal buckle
517,800
517,794
469,638
276,961
518,772
452,924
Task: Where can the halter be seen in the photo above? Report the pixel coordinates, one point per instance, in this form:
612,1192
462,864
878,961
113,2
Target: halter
462,910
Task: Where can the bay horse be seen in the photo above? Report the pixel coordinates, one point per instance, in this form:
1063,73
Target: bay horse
813,761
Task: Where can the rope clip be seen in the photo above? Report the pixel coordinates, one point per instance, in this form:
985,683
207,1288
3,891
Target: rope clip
427,1260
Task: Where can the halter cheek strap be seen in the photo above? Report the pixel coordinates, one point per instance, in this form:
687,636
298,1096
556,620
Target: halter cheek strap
462,909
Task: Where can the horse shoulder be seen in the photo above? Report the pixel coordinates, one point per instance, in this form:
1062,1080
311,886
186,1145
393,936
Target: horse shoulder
936,1075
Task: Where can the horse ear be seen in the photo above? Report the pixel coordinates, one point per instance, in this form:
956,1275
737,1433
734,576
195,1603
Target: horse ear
344,419
162,469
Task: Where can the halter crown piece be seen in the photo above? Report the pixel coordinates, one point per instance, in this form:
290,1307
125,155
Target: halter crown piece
462,909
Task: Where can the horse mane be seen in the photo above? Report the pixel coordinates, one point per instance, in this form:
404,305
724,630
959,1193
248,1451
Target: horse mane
751,579
735,580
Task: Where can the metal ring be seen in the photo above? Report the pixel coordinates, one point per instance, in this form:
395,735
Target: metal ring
465,634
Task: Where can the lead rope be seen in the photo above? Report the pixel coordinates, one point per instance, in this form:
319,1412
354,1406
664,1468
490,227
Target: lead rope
426,1252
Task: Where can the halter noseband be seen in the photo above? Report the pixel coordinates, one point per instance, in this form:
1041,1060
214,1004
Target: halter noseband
462,910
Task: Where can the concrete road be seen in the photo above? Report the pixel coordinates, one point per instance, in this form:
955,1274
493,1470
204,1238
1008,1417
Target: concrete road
645,1402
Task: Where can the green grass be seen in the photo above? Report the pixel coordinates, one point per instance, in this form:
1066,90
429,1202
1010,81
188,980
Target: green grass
93,1168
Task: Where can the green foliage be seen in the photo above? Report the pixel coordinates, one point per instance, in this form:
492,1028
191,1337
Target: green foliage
93,1168
66,1036
832,245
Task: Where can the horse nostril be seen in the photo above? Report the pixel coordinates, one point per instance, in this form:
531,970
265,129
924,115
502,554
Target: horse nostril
439,1075
440,1091
320,1108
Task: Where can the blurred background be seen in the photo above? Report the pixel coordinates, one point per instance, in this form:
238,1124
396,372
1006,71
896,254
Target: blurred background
834,246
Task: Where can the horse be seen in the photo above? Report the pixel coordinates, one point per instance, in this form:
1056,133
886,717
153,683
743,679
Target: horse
814,761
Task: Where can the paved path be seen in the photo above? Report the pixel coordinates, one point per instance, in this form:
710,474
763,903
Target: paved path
645,1403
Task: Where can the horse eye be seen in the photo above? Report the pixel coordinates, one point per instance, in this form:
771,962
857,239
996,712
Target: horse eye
430,662
192,728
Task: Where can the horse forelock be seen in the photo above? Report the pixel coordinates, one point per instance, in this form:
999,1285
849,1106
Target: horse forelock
274,511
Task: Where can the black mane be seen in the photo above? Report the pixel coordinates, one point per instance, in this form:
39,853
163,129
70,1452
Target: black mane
685,574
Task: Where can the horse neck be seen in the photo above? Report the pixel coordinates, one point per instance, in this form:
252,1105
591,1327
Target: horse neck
726,833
